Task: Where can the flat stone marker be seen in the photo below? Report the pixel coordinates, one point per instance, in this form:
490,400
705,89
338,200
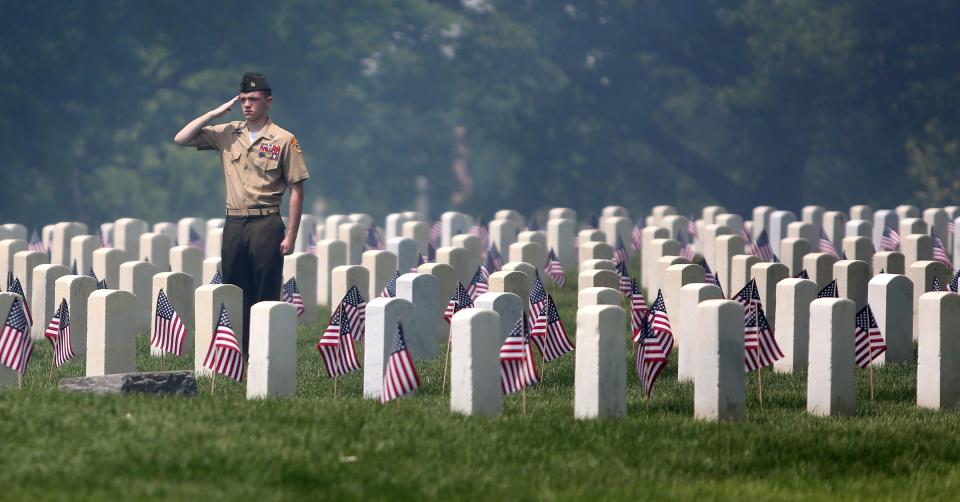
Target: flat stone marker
382,266
383,314
719,388
168,383
354,235
508,305
511,281
23,264
891,299
600,374
155,248
42,297
691,295
475,362
938,351
106,264
331,254
425,327
598,296
597,279
76,289
503,233
792,326
820,268
921,274
208,299
831,387
137,277
272,367
890,262
347,276
111,339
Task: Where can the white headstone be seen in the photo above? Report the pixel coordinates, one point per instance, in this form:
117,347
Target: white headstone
503,233
354,235
382,266
508,305
452,223
560,238
272,368
891,299
938,351
475,362
719,388
126,236
330,254
303,267
111,339
383,314
691,296
76,289
179,289
188,260
600,373
831,386
42,297
425,327
792,327
207,301
347,276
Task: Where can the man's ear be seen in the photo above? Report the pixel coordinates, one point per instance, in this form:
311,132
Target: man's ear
268,100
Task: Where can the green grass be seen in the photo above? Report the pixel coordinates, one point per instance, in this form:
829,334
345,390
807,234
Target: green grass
76,446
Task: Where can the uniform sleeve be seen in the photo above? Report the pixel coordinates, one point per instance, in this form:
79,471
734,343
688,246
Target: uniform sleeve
294,167
209,138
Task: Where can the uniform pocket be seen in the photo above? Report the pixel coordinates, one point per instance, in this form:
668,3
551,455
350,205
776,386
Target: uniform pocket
264,163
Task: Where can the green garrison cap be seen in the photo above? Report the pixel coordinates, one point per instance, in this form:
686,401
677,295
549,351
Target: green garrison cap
254,82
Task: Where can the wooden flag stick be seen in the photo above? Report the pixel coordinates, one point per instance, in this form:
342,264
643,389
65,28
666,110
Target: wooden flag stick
871,382
446,360
524,392
19,381
760,385
213,386
53,364
161,361
334,387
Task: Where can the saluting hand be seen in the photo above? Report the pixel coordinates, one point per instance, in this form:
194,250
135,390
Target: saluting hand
224,108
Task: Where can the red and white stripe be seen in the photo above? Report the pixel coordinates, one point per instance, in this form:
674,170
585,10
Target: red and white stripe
400,377
518,370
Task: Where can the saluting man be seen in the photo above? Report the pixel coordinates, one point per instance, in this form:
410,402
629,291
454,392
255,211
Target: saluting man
260,161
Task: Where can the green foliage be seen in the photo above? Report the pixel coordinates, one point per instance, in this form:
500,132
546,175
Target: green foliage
634,102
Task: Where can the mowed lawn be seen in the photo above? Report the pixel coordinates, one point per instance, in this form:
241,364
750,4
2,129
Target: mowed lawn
74,446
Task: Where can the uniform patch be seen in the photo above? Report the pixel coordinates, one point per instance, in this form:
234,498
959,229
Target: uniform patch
295,145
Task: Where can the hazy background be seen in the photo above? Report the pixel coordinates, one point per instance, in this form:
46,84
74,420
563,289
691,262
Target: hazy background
578,104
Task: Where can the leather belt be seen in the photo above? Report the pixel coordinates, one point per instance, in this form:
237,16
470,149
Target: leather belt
254,211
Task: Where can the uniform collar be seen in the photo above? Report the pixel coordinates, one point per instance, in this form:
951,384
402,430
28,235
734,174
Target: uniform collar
268,132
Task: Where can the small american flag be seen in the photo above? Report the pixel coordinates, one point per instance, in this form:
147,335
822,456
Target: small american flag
826,245
890,240
224,355
480,230
106,238
624,276
336,346
803,275
592,222
9,279
518,369
538,297
17,288
548,333
939,252
761,249
168,330
746,233
686,250
16,346
620,252
955,282
312,240
58,332
420,261
458,301
400,377
194,239
654,344
494,261
390,288
73,268
478,285
431,253
436,232
636,238
532,224
937,285
91,274
708,275
291,294
638,309
35,243
692,228
555,270
374,239
868,341
102,284
829,291
749,297
355,309
217,278
760,346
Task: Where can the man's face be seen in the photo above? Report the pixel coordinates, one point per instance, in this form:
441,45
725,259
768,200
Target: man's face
254,105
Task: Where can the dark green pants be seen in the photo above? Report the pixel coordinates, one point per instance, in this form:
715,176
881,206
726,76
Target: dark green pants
251,260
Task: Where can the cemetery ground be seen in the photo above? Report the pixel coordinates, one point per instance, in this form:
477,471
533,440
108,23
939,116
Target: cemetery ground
64,445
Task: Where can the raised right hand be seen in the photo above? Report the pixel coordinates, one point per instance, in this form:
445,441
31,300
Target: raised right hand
224,108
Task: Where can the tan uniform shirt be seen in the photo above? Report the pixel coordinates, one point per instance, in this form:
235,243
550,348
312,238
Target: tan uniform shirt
256,173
